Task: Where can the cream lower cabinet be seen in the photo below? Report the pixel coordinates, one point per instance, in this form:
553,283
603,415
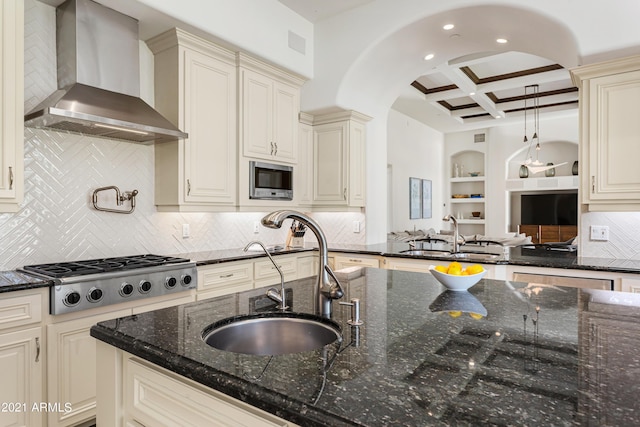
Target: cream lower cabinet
195,88
71,370
11,104
225,278
22,359
344,260
235,276
609,128
339,156
265,273
138,393
71,364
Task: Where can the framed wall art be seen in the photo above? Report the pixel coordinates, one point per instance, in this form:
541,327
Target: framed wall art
426,198
415,198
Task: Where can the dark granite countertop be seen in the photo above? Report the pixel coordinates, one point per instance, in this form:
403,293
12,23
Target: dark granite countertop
537,257
542,355
17,281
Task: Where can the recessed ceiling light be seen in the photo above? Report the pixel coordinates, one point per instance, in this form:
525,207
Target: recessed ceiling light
471,93
429,56
498,116
448,27
501,41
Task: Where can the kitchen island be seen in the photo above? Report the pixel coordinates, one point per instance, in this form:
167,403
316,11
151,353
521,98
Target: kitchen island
541,355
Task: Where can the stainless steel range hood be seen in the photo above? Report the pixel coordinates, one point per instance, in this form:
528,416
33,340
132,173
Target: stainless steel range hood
99,79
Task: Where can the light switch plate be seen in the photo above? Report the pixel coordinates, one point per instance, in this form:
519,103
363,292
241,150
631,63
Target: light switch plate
600,233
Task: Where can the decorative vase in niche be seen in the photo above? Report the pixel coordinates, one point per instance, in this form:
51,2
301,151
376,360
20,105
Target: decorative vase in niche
550,172
574,168
524,171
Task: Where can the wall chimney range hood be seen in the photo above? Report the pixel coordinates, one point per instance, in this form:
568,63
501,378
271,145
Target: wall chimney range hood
98,68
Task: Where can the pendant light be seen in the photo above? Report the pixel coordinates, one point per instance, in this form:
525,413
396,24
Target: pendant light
534,166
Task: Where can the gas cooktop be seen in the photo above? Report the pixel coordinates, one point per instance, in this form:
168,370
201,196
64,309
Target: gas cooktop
101,265
81,285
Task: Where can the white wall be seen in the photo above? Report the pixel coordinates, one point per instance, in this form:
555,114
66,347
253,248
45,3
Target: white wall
413,150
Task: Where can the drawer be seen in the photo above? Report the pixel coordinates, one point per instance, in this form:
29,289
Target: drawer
156,397
226,278
266,274
19,309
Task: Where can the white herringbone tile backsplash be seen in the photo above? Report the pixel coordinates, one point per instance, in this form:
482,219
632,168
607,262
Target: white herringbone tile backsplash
57,221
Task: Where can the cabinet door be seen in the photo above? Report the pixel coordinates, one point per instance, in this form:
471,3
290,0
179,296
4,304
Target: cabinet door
269,118
303,175
549,233
257,115
357,164
606,366
613,129
330,164
71,369
209,117
285,122
568,232
11,104
21,371
532,231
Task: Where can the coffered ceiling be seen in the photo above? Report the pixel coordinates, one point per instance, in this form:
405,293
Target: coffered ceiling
480,90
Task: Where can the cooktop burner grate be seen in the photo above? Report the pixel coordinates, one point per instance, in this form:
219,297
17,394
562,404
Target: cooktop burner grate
101,265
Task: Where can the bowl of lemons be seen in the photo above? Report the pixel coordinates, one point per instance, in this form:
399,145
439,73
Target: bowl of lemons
455,277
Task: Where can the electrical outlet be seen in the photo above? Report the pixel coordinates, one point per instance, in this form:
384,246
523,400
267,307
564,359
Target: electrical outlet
256,227
186,231
356,226
600,233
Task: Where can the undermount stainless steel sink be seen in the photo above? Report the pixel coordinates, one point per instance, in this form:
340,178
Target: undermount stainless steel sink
471,256
272,334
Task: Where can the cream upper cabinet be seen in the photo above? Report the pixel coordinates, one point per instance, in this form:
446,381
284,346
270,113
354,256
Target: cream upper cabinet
269,108
339,160
12,105
195,88
609,129
303,174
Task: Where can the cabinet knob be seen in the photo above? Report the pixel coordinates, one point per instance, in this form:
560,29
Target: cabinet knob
10,178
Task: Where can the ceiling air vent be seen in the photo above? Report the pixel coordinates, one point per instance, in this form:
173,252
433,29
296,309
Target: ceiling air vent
478,137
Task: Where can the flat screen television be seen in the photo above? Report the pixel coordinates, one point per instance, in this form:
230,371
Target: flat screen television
549,209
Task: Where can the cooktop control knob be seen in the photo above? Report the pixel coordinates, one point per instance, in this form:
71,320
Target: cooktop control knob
186,280
126,289
144,286
71,299
170,282
94,295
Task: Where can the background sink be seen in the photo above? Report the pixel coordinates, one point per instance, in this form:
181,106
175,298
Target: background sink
475,256
272,334
471,256
426,252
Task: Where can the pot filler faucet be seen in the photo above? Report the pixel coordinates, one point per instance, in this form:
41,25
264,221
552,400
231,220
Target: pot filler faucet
325,290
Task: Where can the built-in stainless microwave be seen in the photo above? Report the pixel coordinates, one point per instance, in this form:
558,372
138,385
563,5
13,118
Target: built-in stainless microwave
270,181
